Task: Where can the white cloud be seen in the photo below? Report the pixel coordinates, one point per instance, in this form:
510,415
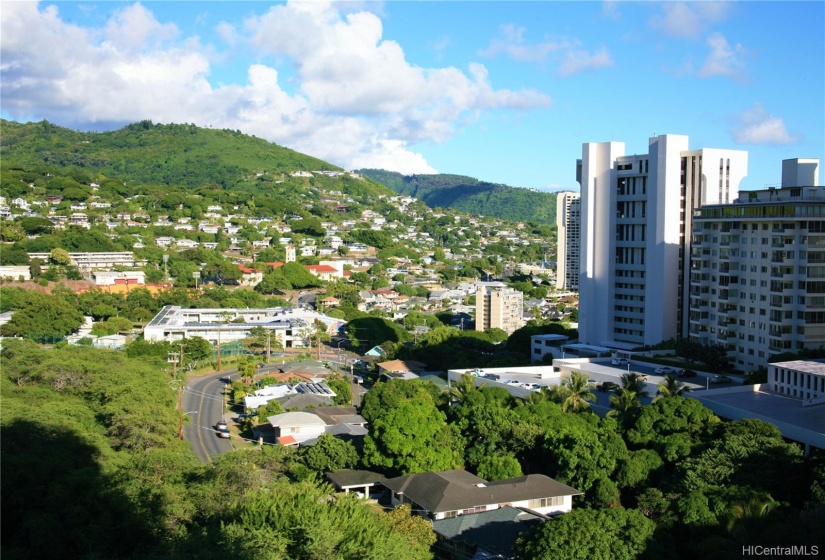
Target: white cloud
756,126
578,60
135,28
689,19
723,59
512,43
610,10
356,98
567,51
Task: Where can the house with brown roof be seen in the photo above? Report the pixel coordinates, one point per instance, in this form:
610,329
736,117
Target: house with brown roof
447,494
399,369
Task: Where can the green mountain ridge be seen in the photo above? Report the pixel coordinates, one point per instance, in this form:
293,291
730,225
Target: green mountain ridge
470,195
179,155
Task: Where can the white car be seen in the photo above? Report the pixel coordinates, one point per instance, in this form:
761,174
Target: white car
512,382
664,370
620,362
222,429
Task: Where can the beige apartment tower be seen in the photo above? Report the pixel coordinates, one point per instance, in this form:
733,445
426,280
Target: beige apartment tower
568,222
498,307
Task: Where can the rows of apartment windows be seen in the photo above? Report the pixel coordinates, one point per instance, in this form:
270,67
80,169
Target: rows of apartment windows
814,226
630,255
643,165
633,186
635,209
630,232
791,210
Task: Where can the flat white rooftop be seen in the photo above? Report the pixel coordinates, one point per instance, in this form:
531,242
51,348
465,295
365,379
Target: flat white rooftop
803,424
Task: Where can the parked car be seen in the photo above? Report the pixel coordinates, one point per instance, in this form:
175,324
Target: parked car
686,373
664,370
226,379
358,379
222,429
641,377
720,379
491,376
512,382
620,361
607,386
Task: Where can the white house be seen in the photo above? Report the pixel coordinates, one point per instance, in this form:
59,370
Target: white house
292,428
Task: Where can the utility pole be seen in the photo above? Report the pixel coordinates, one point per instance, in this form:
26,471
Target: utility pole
219,348
180,411
268,334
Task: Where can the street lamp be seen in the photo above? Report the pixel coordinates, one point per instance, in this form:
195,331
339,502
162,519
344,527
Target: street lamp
196,274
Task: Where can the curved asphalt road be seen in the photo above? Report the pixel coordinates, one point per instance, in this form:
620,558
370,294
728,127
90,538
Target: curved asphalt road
206,396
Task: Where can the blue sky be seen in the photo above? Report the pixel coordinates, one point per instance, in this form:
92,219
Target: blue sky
502,91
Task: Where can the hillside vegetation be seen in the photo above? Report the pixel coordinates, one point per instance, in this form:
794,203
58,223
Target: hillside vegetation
471,195
179,155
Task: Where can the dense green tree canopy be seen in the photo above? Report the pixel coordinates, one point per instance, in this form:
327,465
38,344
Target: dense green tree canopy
412,437
41,315
585,534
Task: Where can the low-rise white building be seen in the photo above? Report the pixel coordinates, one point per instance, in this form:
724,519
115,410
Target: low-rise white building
800,379
290,326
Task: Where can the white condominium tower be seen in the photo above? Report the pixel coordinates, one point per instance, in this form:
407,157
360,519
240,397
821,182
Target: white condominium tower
758,270
568,222
636,213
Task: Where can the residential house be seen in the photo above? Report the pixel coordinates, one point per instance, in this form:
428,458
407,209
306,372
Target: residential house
448,494
490,534
293,428
250,276
399,368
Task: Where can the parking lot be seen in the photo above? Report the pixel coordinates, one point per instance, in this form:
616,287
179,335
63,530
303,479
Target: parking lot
522,380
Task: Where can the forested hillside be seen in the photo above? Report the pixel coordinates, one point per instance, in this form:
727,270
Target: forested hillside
92,469
471,195
144,153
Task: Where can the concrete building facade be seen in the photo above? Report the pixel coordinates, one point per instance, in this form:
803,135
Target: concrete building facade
498,307
636,215
291,327
758,270
568,221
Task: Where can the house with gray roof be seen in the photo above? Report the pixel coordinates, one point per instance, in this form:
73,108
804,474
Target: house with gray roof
490,534
447,494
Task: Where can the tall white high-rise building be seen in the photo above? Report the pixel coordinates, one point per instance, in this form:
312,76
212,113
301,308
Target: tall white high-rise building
568,222
635,212
758,270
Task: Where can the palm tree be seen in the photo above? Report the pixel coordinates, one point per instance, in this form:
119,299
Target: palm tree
622,402
671,387
461,387
579,393
556,393
751,518
634,382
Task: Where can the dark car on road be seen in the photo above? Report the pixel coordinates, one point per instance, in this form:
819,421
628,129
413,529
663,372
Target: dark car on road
607,386
686,373
491,376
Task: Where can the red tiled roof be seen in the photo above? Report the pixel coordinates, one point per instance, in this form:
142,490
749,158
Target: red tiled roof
321,268
287,440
